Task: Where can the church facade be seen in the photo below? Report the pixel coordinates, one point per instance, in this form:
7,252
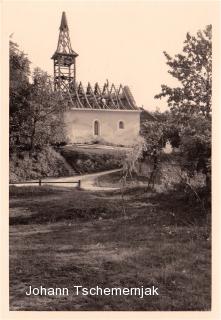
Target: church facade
120,127
106,114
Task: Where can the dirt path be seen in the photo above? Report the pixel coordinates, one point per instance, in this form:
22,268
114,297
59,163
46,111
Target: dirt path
87,181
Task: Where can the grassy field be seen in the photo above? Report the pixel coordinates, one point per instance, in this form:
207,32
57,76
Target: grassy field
60,237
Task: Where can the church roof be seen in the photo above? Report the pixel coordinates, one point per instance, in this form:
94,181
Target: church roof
146,115
109,97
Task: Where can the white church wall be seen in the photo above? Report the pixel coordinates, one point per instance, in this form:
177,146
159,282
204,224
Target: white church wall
80,126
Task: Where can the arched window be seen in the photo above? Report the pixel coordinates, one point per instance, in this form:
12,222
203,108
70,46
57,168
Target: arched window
121,125
96,128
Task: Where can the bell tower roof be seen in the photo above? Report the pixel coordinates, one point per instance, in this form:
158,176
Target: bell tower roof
64,42
64,23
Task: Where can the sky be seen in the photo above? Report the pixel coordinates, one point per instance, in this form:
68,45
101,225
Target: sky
119,41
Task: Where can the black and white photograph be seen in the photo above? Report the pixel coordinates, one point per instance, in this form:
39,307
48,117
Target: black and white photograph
110,138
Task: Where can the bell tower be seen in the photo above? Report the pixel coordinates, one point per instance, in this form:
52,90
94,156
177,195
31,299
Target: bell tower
64,60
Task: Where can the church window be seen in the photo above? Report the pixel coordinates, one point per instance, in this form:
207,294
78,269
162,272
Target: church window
121,125
96,128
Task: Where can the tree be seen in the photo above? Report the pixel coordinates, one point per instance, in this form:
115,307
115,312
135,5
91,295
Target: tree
195,147
36,111
19,92
45,116
193,69
190,103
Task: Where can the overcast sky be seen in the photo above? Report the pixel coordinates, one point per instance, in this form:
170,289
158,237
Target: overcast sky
119,41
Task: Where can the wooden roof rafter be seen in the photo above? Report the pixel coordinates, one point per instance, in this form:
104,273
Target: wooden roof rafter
120,93
104,91
99,96
77,95
91,93
84,95
103,97
128,99
97,90
111,98
117,97
106,95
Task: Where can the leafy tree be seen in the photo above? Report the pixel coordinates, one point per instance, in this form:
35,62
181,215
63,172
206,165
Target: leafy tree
19,92
193,69
36,117
45,117
190,103
195,147
160,130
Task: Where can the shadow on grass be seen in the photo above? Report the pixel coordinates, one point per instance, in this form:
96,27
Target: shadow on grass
152,245
51,204
47,204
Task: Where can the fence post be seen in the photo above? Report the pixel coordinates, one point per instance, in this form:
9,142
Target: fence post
39,182
79,184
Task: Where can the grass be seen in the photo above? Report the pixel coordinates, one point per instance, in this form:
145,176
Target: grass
114,179
95,150
61,237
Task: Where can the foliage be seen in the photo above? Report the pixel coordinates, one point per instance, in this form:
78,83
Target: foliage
42,163
19,93
188,125
35,109
129,163
89,161
195,148
36,121
193,69
45,114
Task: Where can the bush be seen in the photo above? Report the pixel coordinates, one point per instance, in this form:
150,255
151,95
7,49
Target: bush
43,163
89,161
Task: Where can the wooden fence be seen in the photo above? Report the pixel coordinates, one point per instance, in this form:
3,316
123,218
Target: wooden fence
40,182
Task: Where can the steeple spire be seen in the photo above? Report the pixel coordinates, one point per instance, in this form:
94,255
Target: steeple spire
64,23
64,59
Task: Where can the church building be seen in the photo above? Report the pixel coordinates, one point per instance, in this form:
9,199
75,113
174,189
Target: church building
106,114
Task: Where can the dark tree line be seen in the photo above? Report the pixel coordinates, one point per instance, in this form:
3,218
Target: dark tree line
35,109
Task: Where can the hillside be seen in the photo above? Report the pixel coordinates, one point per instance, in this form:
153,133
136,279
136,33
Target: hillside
93,158
64,161
42,163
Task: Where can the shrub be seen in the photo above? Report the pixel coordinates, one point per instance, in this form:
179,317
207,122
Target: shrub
43,163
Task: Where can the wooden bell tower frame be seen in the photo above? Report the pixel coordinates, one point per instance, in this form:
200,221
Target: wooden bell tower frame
64,60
